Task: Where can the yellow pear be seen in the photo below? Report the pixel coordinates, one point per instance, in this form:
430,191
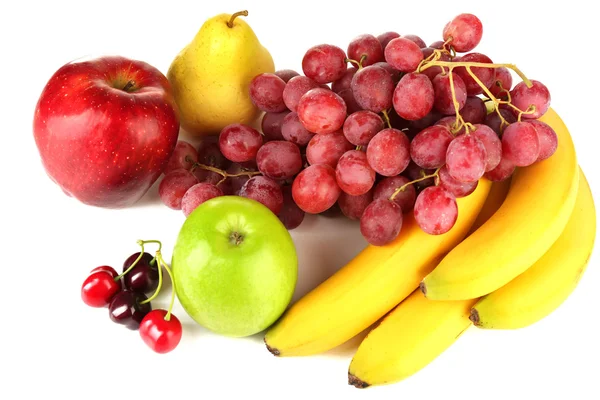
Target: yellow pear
211,75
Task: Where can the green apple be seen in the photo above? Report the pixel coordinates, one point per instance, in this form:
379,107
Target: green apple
234,266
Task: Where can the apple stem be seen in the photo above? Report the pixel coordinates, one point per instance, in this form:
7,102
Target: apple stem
236,238
128,86
235,15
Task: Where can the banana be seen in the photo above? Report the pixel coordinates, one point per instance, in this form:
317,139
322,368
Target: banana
493,202
537,292
369,286
538,205
411,336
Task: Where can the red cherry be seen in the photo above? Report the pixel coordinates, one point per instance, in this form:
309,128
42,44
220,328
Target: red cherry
105,268
160,335
99,288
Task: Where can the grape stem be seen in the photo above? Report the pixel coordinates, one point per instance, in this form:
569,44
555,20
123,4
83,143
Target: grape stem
359,62
141,243
224,174
451,65
422,178
386,118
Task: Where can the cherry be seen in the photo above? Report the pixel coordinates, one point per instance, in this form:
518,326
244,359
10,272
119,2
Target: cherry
106,268
143,277
161,331
99,288
128,308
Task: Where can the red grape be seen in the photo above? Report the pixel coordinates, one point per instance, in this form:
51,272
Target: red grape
394,73
435,210
405,198
293,130
351,105
353,173
236,182
438,44
493,120
537,95
520,144
414,96
474,110
266,92
198,194
428,148
360,127
373,88
449,122
184,156
290,215
239,142
366,45
345,81
503,78
315,189
425,122
354,206
456,187
264,190
295,89
492,144
327,149
286,74
502,171
414,172
381,222
464,31
403,54
173,186
321,111
386,37
547,137
324,63
389,152
465,158
271,125
416,40
279,159
209,153
443,93
485,75
432,72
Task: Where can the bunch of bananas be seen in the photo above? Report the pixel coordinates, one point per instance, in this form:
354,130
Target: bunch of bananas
517,251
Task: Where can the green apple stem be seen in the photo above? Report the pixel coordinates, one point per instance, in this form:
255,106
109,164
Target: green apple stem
235,15
141,243
422,178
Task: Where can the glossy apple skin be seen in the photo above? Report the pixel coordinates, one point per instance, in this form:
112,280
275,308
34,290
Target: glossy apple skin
234,289
103,145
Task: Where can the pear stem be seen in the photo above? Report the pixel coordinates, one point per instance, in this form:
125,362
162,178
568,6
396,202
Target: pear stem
235,15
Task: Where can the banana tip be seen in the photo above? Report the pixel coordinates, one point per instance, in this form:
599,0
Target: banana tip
474,317
273,350
423,288
356,382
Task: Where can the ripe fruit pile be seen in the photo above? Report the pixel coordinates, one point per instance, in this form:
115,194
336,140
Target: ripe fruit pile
128,305
404,128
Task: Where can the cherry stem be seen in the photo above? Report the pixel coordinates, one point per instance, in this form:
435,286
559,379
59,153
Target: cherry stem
160,280
168,315
403,187
235,15
386,118
141,243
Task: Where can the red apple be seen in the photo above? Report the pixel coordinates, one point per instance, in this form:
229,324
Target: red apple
105,129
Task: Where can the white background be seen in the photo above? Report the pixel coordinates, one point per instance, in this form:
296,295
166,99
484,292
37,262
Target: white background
52,345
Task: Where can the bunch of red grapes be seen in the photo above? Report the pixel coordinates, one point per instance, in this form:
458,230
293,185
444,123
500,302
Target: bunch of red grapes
387,127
